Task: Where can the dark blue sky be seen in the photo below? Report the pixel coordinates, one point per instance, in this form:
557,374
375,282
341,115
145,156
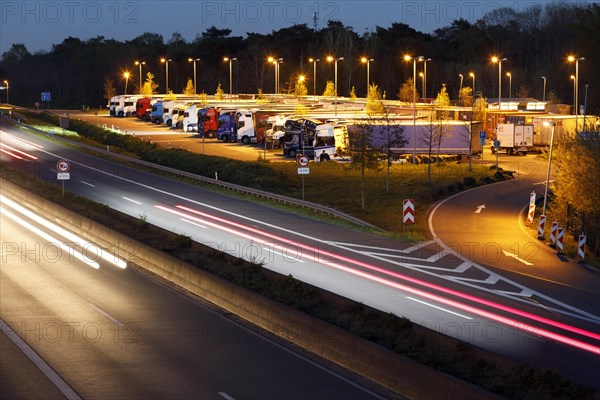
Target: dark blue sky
39,24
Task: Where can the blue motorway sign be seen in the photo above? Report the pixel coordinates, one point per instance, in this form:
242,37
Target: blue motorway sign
46,96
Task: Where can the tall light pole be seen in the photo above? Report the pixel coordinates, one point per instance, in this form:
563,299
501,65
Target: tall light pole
509,75
549,165
576,60
499,60
231,60
414,60
6,83
422,75
276,62
544,92
126,76
140,64
194,60
367,61
335,60
166,61
314,61
472,75
424,60
460,86
574,93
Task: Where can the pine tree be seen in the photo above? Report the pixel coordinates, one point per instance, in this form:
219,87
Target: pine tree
189,90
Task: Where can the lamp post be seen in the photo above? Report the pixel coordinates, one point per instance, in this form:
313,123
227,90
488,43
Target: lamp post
126,76
276,62
544,92
576,60
499,60
424,60
367,61
194,60
166,61
314,61
460,86
6,83
335,60
574,92
549,165
140,64
231,60
472,75
422,75
509,75
414,138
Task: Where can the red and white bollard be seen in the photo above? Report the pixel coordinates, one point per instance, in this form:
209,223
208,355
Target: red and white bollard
531,213
581,248
541,227
560,240
553,229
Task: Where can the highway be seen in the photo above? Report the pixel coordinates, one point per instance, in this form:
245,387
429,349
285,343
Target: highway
424,282
111,332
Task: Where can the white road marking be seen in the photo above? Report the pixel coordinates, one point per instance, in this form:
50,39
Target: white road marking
509,254
39,362
479,208
131,200
284,255
193,223
226,396
107,315
439,308
543,183
87,183
437,256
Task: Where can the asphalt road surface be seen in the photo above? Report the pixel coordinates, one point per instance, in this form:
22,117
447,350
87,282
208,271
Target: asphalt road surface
425,282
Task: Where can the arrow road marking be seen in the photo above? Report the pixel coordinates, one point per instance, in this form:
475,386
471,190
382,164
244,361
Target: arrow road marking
509,254
479,208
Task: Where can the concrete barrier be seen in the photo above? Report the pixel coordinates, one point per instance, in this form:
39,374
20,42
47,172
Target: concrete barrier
397,373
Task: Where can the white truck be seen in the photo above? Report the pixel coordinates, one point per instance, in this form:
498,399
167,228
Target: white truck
190,119
114,101
514,139
126,106
177,117
168,107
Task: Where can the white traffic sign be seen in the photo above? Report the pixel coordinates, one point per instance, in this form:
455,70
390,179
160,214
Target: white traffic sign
63,166
302,160
303,171
63,176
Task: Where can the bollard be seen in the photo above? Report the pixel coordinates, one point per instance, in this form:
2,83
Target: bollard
560,237
553,229
581,248
541,227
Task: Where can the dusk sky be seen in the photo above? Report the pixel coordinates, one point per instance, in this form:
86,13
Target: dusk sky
40,24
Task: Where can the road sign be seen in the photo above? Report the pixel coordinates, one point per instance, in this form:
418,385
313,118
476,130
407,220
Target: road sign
482,138
302,160
63,166
496,144
581,248
46,96
63,176
303,171
408,209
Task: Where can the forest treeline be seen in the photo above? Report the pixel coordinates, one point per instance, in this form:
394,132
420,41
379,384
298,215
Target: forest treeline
535,41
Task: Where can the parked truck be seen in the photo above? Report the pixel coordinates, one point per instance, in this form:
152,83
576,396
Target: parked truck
208,122
126,106
244,126
113,104
514,139
318,143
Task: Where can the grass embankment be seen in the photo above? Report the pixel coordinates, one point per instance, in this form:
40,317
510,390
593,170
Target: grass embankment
388,330
332,184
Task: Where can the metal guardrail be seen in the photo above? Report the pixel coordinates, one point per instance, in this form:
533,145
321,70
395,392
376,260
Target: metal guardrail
215,182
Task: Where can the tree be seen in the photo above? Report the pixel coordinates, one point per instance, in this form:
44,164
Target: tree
406,91
393,139
150,86
17,53
170,96
552,97
353,94
109,88
375,104
300,88
189,90
523,92
219,94
329,89
466,96
363,153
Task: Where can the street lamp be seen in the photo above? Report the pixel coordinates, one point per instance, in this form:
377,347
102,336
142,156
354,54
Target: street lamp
194,60
166,61
126,75
544,92
472,75
551,123
312,60
367,61
576,60
140,64
6,83
422,75
509,75
335,60
574,92
498,60
414,60
230,73
460,86
276,62
424,60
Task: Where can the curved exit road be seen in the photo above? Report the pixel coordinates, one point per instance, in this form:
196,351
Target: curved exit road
431,286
